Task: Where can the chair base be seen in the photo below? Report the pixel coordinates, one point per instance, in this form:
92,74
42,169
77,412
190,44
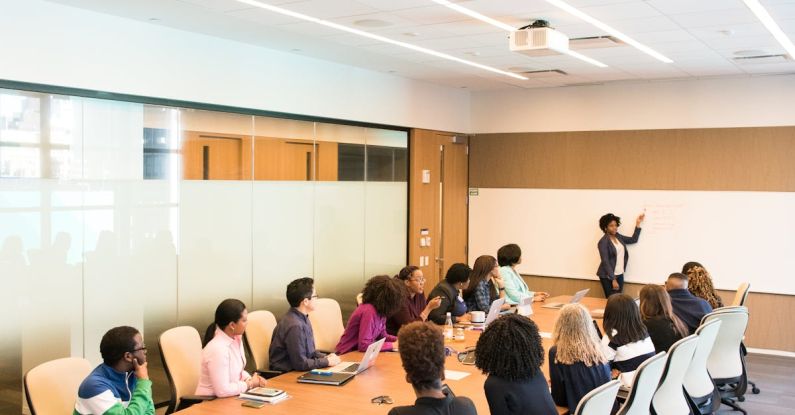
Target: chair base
754,389
730,403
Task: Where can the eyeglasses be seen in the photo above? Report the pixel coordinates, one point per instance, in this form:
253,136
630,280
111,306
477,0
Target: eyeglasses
422,280
139,349
313,297
381,400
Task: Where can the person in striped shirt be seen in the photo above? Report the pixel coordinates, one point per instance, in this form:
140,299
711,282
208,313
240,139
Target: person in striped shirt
626,339
120,385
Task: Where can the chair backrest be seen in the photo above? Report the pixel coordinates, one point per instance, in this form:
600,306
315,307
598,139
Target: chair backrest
697,381
647,377
327,324
51,387
742,294
670,397
258,336
599,401
724,361
181,352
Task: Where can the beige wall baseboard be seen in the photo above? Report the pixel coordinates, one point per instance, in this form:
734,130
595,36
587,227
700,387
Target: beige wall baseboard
768,312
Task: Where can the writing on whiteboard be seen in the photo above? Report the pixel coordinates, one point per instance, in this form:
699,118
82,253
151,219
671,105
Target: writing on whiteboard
662,217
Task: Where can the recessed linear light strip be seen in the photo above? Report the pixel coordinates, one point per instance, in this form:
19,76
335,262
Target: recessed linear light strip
771,26
333,25
601,25
486,19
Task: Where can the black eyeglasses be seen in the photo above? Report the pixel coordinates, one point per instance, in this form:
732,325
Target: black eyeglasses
138,350
381,400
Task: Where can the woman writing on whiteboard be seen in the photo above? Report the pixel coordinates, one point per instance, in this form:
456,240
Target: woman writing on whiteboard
613,252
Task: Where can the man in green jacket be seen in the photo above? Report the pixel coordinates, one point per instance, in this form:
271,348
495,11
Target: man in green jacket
120,385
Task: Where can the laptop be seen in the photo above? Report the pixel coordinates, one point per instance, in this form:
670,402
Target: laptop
494,312
578,296
367,360
326,378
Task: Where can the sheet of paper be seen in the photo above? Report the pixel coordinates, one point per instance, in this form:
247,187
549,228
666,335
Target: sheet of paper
545,334
454,375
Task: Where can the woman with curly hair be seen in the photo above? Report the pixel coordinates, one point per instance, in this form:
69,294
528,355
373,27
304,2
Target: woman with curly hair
577,364
422,355
511,353
700,284
382,297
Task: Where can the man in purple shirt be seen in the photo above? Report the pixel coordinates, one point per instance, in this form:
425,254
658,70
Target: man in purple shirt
293,342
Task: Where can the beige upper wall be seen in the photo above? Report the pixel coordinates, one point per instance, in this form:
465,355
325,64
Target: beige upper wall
107,53
707,103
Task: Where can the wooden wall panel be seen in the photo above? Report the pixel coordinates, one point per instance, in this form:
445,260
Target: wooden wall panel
741,159
424,200
763,308
327,160
456,192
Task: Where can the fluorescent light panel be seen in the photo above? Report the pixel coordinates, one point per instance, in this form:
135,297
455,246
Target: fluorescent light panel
771,26
475,15
601,25
373,36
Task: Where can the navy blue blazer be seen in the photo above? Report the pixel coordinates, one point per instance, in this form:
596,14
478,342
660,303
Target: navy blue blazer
607,253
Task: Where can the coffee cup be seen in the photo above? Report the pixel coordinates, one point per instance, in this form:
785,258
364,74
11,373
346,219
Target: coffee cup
478,316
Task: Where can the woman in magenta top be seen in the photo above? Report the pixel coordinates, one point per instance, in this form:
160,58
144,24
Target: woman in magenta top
382,297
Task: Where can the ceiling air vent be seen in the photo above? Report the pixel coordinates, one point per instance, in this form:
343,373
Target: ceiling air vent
547,74
595,42
747,60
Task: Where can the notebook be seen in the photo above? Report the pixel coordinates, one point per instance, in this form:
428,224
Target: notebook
326,378
578,296
264,395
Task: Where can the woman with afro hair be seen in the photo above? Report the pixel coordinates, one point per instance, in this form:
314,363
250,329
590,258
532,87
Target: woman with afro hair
511,353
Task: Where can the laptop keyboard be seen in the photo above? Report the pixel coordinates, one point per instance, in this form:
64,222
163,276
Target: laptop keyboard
352,368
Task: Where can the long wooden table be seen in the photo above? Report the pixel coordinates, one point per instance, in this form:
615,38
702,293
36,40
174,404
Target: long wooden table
385,378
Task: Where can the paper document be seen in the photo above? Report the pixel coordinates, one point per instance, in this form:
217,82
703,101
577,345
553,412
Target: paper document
454,375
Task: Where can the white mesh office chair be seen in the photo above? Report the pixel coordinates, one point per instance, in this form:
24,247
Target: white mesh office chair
647,378
726,362
698,383
670,398
599,401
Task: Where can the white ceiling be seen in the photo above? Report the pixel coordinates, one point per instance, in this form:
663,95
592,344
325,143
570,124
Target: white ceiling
701,36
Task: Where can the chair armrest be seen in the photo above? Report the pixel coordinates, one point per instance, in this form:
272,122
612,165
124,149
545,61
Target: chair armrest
267,374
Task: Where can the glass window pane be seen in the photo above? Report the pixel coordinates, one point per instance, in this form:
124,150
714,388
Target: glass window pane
216,145
284,149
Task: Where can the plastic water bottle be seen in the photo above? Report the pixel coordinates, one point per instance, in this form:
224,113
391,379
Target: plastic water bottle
448,328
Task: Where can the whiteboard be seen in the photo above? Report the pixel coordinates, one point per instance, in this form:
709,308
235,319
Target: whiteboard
737,236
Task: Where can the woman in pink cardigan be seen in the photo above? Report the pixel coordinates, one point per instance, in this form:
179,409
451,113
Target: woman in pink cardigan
223,358
382,298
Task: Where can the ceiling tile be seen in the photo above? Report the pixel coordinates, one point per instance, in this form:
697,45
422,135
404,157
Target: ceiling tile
727,18
694,6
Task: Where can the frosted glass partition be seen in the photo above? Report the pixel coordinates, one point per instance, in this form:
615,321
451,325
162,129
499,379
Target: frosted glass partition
283,227
117,213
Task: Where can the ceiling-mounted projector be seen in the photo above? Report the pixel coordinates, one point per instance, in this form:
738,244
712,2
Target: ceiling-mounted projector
538,39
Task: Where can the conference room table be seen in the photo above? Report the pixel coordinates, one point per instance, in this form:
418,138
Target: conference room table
386,377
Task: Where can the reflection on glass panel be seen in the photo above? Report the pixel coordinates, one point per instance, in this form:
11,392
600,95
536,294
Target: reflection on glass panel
216,146
20,117
351,162
284,149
